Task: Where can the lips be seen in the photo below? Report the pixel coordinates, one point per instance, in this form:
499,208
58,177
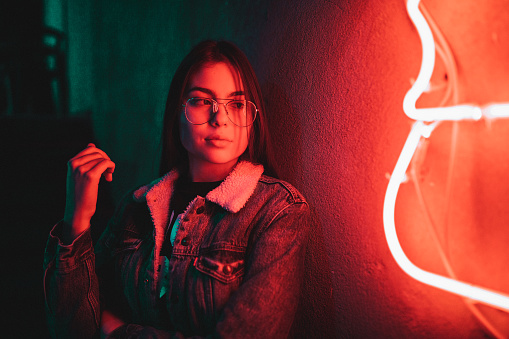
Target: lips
218,141
217,138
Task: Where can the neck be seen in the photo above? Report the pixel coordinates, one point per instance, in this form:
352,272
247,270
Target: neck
204,171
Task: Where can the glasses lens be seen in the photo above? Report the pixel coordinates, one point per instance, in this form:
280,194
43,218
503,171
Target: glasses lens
241,112
198,110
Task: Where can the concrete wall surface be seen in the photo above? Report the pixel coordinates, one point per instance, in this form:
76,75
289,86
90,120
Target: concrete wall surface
334,74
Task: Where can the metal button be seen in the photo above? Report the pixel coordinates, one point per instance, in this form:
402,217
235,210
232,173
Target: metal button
227,269
185,241
200,210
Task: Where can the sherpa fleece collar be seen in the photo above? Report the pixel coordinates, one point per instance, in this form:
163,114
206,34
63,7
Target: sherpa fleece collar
232,195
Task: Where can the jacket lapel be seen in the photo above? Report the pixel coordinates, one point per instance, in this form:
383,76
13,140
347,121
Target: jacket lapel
232,195
237,188
157,195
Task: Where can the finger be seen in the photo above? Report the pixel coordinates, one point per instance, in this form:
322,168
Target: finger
108,173
85,170
104,168
108,176
88,150
76,162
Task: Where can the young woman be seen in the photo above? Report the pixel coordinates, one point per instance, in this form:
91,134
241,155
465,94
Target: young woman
215,247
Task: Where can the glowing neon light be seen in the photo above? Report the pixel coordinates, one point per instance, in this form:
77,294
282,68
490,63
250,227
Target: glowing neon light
460,112
421,130
496,111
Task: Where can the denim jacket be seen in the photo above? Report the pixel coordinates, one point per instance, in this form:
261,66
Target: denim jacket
235,270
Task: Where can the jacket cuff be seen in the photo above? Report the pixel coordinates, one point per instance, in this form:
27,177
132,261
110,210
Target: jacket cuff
69,256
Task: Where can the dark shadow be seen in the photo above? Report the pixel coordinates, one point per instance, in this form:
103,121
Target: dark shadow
315,315
33,62
34,155
285,131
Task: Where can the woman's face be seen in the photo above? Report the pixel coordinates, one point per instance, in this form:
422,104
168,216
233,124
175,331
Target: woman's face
219,143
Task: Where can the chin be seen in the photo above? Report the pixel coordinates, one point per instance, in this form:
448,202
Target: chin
220,159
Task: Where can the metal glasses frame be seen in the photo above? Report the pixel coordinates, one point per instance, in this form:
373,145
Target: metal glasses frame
215,109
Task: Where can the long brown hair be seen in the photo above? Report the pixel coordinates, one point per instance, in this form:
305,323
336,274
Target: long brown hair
259,149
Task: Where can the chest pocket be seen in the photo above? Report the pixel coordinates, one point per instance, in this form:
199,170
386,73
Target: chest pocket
222,272
225,272
216,273
223,265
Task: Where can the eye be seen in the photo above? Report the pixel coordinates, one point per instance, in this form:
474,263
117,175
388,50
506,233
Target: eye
237,105
200,102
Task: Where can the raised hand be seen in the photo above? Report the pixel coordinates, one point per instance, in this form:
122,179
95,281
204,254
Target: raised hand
84,172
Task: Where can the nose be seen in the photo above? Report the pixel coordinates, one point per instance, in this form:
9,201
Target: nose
220,116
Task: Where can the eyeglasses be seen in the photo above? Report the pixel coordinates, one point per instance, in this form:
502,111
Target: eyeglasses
199,111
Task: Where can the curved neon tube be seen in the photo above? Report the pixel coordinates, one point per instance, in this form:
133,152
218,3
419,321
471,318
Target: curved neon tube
496,111
501,301
458,112
418,131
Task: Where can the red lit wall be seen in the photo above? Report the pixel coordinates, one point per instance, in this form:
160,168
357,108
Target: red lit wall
334,74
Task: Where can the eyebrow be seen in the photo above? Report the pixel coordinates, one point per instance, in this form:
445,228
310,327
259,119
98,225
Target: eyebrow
209,92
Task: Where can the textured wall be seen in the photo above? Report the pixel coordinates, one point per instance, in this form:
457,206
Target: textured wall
334,74
80,22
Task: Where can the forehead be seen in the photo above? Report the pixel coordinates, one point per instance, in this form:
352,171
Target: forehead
221,78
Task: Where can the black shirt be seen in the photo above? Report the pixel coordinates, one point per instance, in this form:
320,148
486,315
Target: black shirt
185,191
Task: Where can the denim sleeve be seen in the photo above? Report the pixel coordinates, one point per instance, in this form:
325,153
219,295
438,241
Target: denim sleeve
265,304
78,278
71,289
